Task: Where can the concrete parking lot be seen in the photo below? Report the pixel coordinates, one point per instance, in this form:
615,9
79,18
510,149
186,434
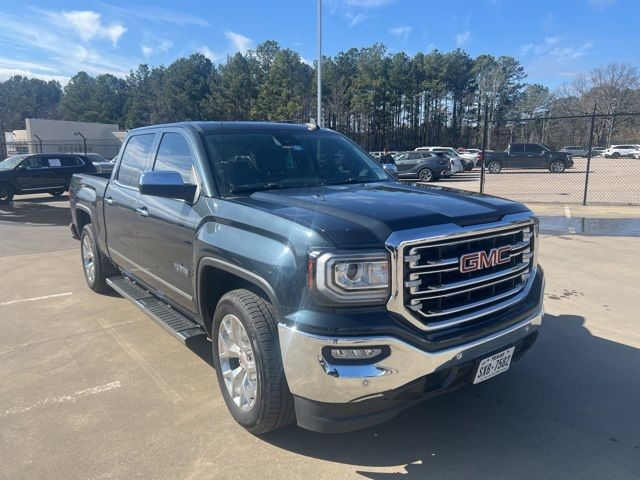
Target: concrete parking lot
91,388
612,181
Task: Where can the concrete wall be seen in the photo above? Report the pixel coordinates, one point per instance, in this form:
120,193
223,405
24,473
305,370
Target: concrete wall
58,136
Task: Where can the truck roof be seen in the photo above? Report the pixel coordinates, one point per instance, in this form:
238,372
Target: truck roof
238,126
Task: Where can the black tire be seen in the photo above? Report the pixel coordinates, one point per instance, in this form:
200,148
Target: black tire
557,166
98,281
273,404
426,175
615,155
57,193
494,166
6,193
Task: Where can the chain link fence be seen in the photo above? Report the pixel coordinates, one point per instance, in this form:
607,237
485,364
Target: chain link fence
577,159
107,147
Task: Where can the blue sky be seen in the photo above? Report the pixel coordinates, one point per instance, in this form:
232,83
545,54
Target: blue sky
554,39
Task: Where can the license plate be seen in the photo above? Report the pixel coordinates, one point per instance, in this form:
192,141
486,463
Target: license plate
494,365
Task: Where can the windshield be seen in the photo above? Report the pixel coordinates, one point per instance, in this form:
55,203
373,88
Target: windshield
253,161
11,162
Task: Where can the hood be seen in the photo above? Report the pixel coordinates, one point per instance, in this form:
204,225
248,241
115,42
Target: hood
364,215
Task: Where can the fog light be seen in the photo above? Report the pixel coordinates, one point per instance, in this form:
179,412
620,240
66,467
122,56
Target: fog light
355,353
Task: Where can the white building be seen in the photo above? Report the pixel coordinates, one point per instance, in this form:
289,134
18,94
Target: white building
59,136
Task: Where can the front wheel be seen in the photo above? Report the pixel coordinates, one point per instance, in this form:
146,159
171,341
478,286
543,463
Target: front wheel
494,167
6,193
246,356
557,166
426,175
615,155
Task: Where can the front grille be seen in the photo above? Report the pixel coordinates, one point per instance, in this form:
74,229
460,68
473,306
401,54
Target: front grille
439,295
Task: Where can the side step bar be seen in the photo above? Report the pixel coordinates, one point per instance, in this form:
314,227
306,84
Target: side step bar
175,323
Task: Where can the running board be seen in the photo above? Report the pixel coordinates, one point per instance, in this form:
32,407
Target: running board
172,321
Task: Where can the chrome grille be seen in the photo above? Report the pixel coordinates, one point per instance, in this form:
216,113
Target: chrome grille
438,294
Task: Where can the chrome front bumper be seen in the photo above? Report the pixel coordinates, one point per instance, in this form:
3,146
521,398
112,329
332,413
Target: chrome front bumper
310,375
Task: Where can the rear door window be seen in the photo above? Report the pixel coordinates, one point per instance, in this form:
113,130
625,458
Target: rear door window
517,148
69,161
134,159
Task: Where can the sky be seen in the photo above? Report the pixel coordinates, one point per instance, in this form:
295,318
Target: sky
554,39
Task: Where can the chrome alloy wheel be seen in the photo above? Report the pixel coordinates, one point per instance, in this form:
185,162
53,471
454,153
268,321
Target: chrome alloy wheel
237,362
88,259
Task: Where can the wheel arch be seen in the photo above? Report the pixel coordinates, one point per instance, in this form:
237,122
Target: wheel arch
83,217
216,277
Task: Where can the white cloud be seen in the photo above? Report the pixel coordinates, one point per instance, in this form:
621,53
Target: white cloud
6,73
206,51
553,47
601,4
356,19
368,3
462,38
239,43
401,33
63,52
88,25
161,46
161,15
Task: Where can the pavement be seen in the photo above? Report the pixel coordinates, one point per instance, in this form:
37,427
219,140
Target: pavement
93,389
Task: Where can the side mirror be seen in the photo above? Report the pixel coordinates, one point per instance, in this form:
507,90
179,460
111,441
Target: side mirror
166,184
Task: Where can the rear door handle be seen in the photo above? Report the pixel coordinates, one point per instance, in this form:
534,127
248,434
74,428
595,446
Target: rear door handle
108,200
142,211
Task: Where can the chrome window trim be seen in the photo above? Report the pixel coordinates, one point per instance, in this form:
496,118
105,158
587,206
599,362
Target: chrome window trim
399,241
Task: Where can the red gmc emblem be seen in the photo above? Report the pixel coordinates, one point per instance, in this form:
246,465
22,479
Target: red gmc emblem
471,262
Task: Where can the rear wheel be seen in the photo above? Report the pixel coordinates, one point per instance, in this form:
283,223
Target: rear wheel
494,167
246,356
6,193
426,175
557,166
92,262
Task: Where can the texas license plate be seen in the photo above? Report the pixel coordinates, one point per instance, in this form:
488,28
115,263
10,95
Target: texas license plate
494,365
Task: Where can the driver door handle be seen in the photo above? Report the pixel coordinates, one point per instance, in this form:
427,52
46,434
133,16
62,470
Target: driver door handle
142,211
108,200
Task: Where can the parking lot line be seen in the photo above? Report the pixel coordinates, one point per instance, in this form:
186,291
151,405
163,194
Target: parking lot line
34,299
148,369
567,211
64,398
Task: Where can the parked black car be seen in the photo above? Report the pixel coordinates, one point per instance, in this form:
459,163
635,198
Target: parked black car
426,166
528,156
40,173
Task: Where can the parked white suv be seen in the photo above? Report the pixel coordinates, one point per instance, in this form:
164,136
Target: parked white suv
576,151
616,151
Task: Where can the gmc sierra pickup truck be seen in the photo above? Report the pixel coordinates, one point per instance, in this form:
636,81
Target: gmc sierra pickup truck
528,156
332,294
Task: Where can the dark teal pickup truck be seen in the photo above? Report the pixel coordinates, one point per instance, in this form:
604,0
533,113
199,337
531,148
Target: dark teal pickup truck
332,294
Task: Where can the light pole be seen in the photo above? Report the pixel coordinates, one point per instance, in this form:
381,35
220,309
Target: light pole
319,110
84,141
39,141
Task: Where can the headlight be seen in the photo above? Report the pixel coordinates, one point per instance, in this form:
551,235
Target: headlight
361,278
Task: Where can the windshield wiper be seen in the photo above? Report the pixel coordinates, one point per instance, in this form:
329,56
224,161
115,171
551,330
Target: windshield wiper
353,180
270,186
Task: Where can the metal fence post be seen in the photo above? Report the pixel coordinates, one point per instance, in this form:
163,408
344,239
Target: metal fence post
586,178
484,146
